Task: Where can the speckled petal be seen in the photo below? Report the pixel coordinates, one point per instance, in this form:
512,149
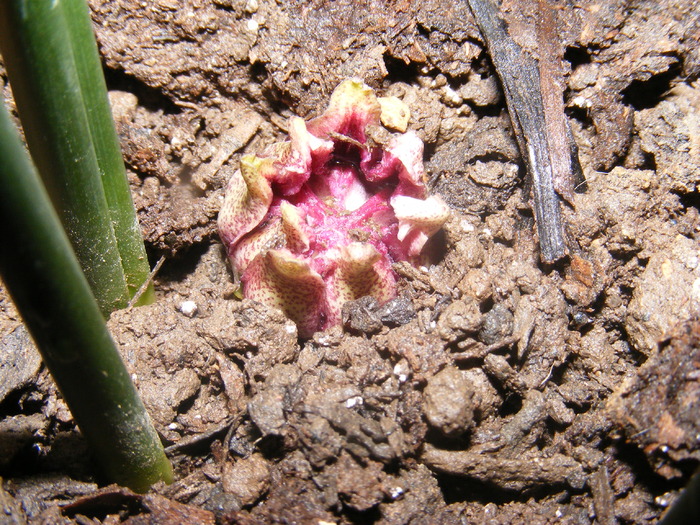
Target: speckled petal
278,278
294,227
361,270
256,242
418,220
353,106
248,198
403,158
294,160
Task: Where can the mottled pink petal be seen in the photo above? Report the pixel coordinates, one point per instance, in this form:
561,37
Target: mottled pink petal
248,198
361,270
261,239
418,220
403,158
280,279
353,106
341,187
295,159
378,165
294,226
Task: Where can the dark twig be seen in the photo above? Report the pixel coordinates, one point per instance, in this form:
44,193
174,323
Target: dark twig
147,283
522,83
477,350
552,89
603,496
229,424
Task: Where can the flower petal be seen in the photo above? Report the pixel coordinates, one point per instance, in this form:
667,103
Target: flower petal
280,279
361,270
294,227
403,158
408,148
259,240
418,220
295,159
248,197
353,106
341,188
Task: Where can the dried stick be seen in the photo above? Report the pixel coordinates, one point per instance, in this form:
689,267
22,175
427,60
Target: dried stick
522,83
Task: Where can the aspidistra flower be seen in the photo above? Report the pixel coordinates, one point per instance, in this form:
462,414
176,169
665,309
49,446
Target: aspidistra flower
318,220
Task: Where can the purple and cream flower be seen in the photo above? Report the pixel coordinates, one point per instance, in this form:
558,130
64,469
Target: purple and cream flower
318,220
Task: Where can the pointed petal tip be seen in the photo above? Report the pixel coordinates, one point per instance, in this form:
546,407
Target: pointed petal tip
353,106
281,279
419,219
248,198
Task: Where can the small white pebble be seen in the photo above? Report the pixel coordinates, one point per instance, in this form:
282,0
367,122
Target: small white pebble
354,401
290,328
401,372
324,340
251,6
692,263
396,492
177,142
134,378
172,426
664,500
581,102
450,96
466,226
558,513
395,114
253,25
188,308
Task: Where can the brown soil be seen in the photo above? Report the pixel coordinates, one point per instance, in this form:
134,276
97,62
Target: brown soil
496,389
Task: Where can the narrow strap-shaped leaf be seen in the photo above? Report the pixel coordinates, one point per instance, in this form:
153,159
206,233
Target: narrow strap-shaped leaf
51,293
36,49
107,149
